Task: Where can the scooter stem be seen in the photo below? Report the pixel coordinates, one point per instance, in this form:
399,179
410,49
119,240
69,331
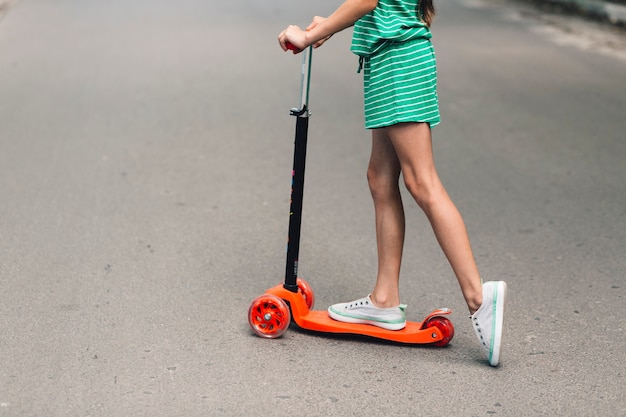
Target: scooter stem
297,180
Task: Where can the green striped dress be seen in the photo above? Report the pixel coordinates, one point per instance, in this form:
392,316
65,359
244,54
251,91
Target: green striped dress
399,66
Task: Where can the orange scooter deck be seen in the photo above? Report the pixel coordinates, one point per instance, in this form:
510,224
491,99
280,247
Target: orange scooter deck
320,321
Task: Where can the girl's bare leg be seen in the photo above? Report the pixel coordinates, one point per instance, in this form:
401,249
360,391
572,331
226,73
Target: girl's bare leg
383,176
413,150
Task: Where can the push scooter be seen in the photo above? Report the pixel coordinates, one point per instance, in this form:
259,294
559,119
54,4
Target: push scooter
270,314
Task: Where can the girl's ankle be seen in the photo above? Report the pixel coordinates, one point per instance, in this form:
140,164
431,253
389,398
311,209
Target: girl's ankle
383,302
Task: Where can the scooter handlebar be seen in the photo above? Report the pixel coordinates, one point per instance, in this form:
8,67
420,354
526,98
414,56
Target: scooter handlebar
293,47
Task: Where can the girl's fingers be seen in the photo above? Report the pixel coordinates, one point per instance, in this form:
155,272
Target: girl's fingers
282,40
290,39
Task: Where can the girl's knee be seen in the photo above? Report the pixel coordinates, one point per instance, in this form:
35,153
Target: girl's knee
382,185
425,192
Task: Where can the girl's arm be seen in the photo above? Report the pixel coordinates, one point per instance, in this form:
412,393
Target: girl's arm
321,29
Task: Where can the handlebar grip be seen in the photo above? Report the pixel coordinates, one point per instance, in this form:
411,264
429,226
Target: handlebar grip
291,46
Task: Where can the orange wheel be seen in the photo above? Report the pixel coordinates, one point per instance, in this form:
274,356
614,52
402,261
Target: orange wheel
446,327
269,316
307,293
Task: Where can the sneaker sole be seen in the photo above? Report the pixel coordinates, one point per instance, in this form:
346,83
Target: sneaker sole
499,298
354,320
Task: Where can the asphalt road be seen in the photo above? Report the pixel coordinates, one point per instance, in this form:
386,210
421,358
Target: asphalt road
145,159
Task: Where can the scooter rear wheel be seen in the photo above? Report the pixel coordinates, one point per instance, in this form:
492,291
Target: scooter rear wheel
269,316
446,327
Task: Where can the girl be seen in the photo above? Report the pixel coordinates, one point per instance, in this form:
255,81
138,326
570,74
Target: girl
392,40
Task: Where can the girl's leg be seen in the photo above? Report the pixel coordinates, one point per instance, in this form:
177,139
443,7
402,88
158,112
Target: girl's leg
413,147
383,175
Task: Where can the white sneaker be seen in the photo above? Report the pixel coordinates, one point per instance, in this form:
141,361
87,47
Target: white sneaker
363,311
487,320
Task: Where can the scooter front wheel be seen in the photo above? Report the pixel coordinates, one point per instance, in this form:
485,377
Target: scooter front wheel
269,316
307,293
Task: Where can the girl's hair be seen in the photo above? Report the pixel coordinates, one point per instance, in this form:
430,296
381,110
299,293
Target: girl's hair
426,10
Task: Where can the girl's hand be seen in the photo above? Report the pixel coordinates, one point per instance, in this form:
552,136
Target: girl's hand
316,21
295,36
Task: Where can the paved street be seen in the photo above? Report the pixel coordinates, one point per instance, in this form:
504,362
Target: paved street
145,160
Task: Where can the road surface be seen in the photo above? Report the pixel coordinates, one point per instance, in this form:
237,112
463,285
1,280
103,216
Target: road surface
145,157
